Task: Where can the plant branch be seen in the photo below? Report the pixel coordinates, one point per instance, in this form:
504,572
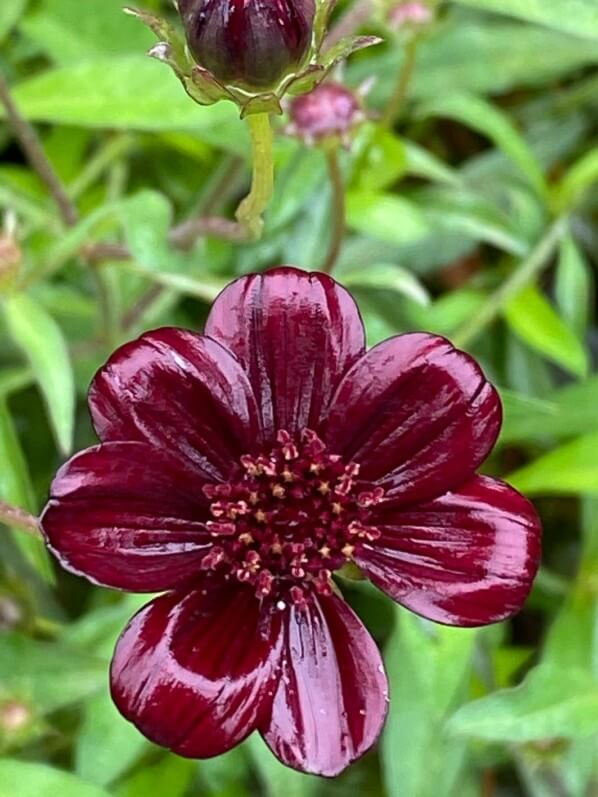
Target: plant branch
527,270
34,151
16,517
338,211
249,213
399,95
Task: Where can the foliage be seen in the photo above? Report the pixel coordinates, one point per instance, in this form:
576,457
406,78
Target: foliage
474,217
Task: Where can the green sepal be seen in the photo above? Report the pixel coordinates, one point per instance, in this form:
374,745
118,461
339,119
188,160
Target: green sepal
307,80
261,103
346,47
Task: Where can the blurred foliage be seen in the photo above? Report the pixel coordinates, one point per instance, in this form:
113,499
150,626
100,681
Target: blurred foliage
474,218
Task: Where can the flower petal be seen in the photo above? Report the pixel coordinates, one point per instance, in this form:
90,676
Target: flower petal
417,414
296,333
195,673
467,558
331,699
181,392
128,516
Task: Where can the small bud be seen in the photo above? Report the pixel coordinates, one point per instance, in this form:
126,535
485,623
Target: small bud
14,716
10,253
251,43
11,614
409,15
330,111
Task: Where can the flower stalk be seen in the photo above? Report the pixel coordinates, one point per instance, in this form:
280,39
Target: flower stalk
249,213
397,100
338,211
528,269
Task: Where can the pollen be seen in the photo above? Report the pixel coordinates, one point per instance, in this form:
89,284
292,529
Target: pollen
285,542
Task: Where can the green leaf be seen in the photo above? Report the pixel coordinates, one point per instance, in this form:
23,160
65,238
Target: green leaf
550,703
470,214
570,469
14,379
535,321
387,276
568,412
428,667
10,14
146,218
573,286
581,176
123,92
385,216
171,777
276,778
16,489
421,163
70,31
380,159
49,675
24,779
41,340
505,55
579,17
106,745
497,126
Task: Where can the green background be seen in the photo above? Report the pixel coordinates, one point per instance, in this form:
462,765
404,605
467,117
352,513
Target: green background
475,219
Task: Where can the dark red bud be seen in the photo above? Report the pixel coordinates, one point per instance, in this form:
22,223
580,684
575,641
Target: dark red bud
253,43
329,110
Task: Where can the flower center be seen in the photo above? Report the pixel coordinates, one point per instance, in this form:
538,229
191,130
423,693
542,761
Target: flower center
287,519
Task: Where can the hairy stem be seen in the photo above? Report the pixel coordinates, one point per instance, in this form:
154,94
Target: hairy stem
18,518
337,232
34,151
249,212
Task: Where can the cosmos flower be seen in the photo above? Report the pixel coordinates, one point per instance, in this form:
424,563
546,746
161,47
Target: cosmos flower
250,52
239,470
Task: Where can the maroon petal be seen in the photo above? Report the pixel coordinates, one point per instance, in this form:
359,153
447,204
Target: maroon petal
128,516
195,673
467,558
296,333
417,414
331,699
180,392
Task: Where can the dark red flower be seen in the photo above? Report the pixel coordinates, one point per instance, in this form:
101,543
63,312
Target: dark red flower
238,470
249,42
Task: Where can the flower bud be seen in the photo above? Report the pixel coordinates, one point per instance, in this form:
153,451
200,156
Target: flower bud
252,43
409,15
14,716
330,111
10,254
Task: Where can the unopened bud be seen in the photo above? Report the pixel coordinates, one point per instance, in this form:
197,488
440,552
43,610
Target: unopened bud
411,14
10,253
11,613
14,716
330,111
251,43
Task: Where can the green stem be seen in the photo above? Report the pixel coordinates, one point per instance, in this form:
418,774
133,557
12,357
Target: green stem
528,269
338,211
399,95
249,212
